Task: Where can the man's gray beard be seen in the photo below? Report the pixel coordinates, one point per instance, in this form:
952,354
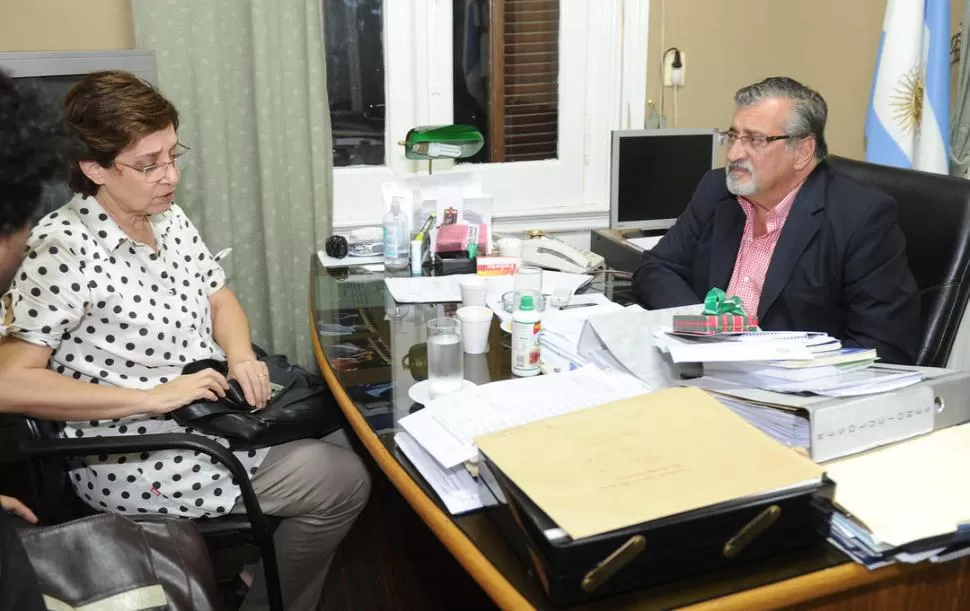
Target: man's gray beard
742,188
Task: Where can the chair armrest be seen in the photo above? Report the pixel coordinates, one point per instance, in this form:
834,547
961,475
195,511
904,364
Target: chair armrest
64,447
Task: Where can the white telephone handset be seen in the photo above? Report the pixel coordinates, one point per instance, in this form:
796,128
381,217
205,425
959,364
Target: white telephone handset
551,253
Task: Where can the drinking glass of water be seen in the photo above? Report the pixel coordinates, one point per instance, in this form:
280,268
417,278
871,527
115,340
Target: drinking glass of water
527,281
445,356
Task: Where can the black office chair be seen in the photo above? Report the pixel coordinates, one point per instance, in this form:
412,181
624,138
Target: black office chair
48,453
934,214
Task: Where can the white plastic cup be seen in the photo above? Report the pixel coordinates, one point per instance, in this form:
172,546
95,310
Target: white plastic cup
473,291
510,247
475,323
476,369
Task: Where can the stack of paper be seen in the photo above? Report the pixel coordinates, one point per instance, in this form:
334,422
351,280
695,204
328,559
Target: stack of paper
438,289
624,340
789,428
447,427
439,439
759,346
561,330
904,500
848,372
456,487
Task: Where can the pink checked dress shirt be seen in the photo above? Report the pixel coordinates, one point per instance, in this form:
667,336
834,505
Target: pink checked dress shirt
755,252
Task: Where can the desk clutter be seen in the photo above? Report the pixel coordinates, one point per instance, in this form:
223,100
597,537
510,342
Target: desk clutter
673,444
684,465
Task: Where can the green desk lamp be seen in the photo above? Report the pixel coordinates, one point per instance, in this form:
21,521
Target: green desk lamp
442,142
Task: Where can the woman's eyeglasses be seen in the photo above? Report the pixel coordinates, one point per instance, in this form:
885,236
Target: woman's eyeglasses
157,171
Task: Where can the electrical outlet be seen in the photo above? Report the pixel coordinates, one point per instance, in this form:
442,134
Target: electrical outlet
668,76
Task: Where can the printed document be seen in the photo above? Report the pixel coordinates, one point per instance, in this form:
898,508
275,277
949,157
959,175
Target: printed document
456,487
447,427
438,289
909,491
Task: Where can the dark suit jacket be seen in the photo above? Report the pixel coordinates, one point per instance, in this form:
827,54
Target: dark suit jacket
839,266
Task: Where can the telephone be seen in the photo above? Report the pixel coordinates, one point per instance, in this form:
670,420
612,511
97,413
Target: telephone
552,253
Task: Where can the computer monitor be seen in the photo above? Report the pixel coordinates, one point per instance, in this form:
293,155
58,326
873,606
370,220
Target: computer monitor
654,173
55,72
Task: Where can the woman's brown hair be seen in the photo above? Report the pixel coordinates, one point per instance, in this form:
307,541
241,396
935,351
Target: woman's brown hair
107,112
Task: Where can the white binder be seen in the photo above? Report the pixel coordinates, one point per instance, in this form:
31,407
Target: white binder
840,427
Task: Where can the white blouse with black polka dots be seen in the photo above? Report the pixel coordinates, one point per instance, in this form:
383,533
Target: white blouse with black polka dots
116,312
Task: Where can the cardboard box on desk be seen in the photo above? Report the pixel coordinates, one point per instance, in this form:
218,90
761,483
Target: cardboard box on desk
712,324
845,426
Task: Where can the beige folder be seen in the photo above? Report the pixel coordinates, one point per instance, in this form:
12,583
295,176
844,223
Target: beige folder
641,459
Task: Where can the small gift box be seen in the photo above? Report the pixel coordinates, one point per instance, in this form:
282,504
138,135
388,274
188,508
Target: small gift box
722,314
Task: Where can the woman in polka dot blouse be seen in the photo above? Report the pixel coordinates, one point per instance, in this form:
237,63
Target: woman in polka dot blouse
117,293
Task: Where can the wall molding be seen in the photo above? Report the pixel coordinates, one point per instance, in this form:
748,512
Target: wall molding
552,221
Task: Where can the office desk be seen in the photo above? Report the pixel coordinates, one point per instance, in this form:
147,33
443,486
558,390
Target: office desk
612,245
365,351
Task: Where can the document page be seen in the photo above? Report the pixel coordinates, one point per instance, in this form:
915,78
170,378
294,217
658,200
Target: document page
456,487
628,336
909,491
447,427
641,459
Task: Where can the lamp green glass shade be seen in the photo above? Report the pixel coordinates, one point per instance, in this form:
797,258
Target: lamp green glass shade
442,142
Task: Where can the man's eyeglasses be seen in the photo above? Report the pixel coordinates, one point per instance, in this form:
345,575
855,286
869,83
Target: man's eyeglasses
753,142
157,171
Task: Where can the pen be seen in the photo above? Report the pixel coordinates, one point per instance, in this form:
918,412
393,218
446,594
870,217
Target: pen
576,305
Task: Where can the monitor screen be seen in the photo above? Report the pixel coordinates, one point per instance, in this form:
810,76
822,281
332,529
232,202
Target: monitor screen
55,72
654,173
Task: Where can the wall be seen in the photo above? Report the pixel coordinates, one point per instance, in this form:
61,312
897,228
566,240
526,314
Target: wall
830,45
63,25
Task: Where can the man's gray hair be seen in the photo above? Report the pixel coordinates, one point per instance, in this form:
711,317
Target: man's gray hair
809,113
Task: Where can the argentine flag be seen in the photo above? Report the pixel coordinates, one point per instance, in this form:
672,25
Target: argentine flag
909,109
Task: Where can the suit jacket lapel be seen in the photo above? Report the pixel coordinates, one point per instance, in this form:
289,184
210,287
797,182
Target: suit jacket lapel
728,227
801,226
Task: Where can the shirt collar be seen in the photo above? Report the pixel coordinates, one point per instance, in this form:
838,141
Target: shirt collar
103,228
776,216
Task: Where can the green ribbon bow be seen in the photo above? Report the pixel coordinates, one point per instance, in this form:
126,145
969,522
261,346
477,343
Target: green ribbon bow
717,302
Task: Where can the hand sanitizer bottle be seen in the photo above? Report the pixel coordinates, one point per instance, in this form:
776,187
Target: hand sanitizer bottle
395,237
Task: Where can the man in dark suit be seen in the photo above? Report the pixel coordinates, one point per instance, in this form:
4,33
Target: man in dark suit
804,247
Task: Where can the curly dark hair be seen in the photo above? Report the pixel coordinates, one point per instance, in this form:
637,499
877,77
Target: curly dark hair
33,150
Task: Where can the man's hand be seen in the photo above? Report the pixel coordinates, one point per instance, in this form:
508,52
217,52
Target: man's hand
14,506
253,377
207,384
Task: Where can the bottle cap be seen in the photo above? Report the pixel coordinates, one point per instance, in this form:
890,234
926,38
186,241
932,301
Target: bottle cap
526,303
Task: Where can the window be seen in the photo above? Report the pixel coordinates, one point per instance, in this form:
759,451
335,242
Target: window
355,81
506,74
548,132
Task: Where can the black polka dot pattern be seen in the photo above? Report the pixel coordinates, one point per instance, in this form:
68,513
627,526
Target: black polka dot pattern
118,312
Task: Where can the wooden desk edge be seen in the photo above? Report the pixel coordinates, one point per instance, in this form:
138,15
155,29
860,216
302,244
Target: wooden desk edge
809,587
467,554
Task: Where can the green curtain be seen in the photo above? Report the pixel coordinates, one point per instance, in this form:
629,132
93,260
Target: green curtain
960,118
249,80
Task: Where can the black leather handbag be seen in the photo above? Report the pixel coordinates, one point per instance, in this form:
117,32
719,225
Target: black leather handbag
111,562
301,406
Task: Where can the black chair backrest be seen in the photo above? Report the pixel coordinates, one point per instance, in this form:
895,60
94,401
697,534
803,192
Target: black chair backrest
934,211
57,502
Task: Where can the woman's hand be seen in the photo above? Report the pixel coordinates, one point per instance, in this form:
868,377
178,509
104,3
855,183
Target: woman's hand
8,503
253,377
207,384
